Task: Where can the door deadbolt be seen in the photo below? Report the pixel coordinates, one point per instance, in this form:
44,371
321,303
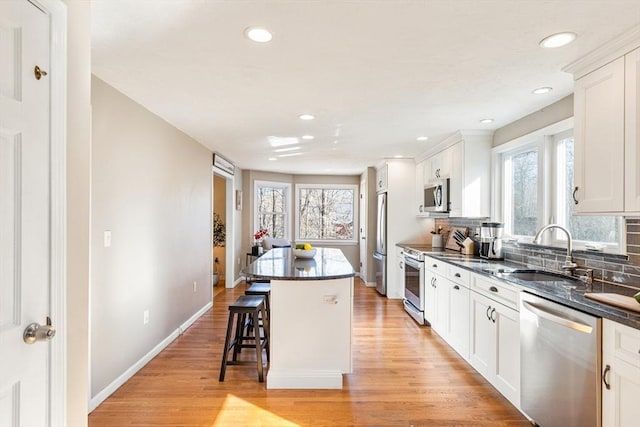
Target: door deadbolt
39,73
37,332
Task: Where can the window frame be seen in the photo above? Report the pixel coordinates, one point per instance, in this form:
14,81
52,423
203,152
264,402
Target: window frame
257,184
354,188
549,178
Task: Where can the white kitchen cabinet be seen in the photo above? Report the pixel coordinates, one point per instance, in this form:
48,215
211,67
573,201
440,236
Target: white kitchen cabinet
419,198
382,178
438,166
621,375
494,349
447,303
466,160
632,131
607,140
599,140
402,223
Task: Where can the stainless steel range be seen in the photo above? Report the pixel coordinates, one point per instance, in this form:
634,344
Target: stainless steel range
413,283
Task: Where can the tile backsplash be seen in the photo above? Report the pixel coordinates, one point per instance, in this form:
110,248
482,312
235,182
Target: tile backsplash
621,270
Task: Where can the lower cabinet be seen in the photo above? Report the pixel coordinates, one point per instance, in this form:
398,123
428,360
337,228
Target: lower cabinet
455,325
620,375
495,344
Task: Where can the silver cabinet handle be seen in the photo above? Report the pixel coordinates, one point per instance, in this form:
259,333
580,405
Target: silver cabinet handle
605,374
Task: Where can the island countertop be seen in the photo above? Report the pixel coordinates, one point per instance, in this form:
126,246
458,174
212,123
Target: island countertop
281,264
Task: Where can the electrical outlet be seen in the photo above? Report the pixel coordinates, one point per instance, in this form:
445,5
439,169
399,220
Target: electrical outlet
107,238
145,317
195,287
238,260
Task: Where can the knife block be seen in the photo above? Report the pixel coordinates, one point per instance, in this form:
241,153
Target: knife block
451,241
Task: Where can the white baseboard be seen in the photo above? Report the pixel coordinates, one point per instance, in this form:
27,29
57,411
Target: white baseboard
118,382
292,379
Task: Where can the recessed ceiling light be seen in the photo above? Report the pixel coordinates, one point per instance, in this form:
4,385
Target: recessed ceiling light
284,150
307,137
306,116
486,121
272,158
422,138
259,35
541,90
558,40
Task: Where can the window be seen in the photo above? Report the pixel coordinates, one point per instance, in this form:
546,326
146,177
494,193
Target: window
326,212
536,177
272,207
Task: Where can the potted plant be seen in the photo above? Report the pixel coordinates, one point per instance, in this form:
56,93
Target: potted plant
219,237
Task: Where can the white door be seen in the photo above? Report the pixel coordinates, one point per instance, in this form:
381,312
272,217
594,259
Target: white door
24,213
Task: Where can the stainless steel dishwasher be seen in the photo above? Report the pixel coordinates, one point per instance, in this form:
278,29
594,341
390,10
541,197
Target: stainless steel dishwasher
560,352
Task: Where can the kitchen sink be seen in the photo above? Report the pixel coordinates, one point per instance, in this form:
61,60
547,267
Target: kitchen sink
539,276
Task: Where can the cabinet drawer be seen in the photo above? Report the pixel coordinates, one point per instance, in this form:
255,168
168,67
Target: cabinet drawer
621,341
436,266
459,275
497,291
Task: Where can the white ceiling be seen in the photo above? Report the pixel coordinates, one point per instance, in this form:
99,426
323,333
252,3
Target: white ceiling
375,73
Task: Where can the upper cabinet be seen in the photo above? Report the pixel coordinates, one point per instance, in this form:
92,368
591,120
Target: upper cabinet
382,178
606,130
465,159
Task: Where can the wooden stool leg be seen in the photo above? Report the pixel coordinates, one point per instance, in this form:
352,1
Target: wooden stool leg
223,367
258,349
237,348
265,329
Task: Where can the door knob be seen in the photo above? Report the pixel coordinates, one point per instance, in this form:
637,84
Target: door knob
36,332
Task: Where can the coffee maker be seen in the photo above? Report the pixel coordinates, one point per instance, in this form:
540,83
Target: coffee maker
491,240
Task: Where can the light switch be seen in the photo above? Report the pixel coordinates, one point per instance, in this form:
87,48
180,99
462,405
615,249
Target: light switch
107,238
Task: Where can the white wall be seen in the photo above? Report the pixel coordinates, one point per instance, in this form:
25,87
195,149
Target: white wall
78,178
152,188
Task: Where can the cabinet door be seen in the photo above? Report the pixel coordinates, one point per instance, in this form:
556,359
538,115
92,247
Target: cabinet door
431,297
620,401
482,337
445,166
632,131
507,353
599,139
419,198
382,178
456,188
441,325
459,319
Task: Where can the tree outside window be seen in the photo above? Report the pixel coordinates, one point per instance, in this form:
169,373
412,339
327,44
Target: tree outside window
271,208
326,212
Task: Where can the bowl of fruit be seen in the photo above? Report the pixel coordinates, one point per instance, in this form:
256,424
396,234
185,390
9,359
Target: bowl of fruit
304,250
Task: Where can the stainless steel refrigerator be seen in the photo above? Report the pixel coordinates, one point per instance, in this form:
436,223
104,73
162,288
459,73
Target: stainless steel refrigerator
380,255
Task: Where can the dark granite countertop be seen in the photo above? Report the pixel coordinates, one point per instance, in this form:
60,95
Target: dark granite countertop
571,296
281,264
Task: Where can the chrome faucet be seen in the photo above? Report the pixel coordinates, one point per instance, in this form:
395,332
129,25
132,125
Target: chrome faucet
568,265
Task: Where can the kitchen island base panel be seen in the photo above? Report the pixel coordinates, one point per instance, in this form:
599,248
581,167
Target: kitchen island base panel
288,379
311,328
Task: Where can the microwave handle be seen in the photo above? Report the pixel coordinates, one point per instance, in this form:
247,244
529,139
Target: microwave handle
437,195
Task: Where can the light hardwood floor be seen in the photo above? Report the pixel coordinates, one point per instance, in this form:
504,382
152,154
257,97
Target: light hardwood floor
404,375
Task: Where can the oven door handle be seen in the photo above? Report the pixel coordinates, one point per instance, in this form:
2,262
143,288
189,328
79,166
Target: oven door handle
413,263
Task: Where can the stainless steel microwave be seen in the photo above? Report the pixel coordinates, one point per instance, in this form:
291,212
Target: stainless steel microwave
436,196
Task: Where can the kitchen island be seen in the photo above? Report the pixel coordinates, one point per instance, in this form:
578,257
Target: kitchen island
311,317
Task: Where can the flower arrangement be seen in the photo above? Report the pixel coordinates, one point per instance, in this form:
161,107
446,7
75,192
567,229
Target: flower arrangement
260,234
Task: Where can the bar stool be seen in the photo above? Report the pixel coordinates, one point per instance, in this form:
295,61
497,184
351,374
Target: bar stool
246,307
261,288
